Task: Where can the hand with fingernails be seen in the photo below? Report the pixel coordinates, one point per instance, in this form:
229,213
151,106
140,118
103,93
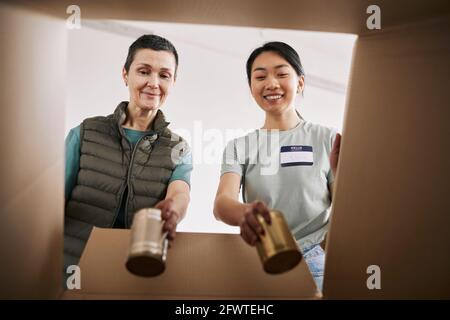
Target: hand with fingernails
251,228
170,217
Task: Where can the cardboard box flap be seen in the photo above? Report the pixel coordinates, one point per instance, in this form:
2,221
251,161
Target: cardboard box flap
347,16
390,208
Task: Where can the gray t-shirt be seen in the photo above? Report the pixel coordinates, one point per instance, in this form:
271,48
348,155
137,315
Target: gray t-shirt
290,171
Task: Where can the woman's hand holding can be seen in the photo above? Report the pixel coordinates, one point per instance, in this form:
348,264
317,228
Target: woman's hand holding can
170,217
250,227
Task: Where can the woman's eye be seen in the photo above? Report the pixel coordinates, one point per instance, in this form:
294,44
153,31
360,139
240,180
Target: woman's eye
260,78
283,75
165,76
143,72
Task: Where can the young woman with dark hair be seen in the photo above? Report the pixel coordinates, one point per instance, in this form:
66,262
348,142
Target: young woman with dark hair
297,178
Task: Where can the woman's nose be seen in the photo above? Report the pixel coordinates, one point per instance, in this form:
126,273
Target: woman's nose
272,83
152,80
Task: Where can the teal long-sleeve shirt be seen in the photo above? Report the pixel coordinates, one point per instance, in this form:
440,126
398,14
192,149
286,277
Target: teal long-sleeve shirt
73,153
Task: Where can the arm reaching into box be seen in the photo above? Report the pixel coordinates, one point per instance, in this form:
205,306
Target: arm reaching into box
228,209
173,207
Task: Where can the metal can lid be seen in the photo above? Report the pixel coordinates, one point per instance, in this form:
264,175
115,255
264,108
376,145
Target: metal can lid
150,213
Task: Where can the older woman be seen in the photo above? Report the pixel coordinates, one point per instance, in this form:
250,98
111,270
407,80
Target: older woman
128,160
297,177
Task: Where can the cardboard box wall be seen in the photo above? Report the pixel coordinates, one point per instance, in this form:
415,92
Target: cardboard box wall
389,207
32,64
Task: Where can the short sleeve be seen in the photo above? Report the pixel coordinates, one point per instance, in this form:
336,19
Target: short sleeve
73,153
231,161
183,170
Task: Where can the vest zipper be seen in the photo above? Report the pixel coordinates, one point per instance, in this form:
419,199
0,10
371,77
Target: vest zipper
128,179
118,208
121,194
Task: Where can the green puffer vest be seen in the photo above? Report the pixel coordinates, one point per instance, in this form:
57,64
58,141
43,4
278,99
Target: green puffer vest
108,165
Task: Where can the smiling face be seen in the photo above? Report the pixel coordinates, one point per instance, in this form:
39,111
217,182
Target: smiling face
274,83
150,78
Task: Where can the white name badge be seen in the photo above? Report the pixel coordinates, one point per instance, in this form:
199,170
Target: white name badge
296,156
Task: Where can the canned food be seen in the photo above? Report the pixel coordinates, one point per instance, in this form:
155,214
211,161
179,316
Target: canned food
277,248
148,244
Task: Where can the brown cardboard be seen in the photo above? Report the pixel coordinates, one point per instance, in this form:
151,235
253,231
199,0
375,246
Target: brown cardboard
391,208
199,266
32,64
389,200
347,16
